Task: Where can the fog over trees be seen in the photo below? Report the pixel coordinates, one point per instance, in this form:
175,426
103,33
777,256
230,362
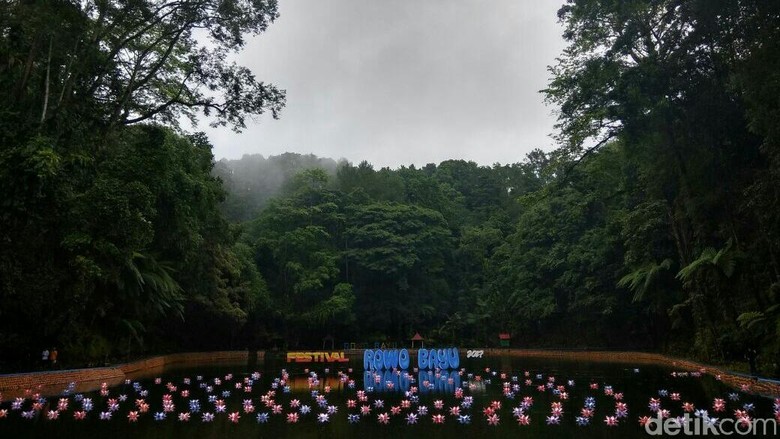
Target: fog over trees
253,180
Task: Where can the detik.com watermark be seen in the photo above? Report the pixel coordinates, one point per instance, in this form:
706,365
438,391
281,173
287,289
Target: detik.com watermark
703,425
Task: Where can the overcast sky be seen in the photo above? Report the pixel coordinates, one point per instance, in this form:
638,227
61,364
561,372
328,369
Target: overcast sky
404,81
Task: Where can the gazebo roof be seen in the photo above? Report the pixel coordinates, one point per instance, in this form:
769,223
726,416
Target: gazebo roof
417,337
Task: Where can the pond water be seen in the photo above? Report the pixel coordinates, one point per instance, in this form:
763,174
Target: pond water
502,386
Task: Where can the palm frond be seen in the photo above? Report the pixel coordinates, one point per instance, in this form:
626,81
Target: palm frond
748,320
641,280
705,259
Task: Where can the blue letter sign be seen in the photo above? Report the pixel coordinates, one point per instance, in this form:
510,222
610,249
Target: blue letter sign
399,359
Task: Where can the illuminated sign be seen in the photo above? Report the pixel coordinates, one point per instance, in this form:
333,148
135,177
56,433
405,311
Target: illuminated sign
399,359
387,359
438,358
316,357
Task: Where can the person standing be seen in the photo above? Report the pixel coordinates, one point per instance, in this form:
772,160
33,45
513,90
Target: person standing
45,357
53,357
751,356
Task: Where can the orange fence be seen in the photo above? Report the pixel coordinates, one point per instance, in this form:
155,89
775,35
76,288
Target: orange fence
54,382
761,386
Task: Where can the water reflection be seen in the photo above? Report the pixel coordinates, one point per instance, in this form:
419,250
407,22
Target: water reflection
402,381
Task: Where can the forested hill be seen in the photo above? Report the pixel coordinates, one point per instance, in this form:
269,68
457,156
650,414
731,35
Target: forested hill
557,252
654,223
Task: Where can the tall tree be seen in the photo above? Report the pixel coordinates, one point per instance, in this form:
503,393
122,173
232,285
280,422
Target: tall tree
667,78
103,221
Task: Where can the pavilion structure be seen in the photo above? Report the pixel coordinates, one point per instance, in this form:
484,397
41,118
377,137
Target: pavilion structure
417,337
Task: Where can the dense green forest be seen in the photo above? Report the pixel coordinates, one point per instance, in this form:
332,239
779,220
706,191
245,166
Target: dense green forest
654,223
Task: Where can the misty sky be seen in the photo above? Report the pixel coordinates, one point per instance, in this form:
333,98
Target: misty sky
404,81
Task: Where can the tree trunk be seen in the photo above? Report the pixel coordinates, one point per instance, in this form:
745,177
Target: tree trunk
46,86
